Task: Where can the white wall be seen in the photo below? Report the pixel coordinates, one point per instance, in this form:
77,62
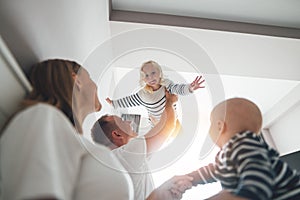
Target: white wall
287,129
35,30
13,83
282,121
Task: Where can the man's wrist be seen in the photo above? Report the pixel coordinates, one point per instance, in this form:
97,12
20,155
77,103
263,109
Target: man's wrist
169,104
153,195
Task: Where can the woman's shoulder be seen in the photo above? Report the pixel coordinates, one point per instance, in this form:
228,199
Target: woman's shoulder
40,116
41,107
38,108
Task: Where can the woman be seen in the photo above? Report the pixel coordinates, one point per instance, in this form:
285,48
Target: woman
42,156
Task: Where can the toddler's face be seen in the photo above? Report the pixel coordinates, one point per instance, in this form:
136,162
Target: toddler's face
152,75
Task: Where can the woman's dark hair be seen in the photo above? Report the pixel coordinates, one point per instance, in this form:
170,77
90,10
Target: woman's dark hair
52,83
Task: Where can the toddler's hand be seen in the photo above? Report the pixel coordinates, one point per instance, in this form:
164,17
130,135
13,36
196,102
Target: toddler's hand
108,100
196,84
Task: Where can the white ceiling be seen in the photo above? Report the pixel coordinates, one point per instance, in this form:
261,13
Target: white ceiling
36,30
264,69
275,18
276,12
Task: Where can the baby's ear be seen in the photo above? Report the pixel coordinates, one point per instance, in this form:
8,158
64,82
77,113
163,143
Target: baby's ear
221,126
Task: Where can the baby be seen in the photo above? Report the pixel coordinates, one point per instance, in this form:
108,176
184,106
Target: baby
245,165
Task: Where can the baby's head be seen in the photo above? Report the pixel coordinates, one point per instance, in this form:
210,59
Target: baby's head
233,116
151,75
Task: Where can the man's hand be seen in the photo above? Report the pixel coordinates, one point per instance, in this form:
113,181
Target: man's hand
171,98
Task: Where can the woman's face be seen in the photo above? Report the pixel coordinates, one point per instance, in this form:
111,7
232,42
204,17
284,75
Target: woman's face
152,75
88,90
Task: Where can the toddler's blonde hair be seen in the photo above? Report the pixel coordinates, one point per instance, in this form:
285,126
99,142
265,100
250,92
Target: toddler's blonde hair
142,76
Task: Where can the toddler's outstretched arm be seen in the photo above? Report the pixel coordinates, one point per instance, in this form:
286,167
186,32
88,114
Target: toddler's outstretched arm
108,100
125,102
196,84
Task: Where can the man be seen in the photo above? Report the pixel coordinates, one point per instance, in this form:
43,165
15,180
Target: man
133,151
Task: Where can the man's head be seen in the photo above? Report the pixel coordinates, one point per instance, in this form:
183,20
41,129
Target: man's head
233,116
112,131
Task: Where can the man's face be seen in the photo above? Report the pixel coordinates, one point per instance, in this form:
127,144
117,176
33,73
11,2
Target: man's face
125,126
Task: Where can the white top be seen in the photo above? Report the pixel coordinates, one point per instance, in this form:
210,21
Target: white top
133,157
41,155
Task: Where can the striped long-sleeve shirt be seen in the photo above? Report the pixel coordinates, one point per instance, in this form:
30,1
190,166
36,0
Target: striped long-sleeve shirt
249,168
153,102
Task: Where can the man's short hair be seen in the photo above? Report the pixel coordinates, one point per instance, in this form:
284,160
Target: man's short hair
101,130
